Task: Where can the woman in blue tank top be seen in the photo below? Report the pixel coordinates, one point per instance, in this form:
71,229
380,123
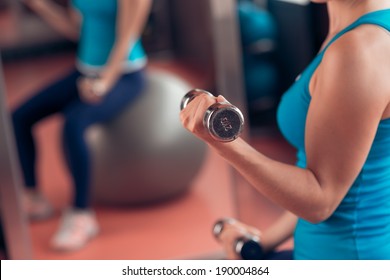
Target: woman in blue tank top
337,115
108,77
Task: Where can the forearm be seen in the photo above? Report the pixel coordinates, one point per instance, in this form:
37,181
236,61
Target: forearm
132,16
57,17
114,67
279,231
296,189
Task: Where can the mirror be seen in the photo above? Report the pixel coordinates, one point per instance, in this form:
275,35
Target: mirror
14,239
181,39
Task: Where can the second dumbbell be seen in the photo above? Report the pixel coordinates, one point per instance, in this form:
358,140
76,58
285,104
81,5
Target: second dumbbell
223,120
246,246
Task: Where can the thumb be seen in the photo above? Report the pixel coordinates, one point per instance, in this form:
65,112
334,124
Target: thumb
220,98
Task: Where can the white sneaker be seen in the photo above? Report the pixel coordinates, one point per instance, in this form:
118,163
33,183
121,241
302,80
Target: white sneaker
76,229
36,205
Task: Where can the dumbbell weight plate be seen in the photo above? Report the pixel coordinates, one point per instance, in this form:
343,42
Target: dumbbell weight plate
224,121
249,248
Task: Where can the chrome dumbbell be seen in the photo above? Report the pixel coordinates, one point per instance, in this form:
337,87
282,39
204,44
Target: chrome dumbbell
223,120
246,246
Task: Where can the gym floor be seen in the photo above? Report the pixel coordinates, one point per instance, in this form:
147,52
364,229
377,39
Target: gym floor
175,229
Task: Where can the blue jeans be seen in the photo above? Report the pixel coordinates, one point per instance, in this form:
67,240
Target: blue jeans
62,97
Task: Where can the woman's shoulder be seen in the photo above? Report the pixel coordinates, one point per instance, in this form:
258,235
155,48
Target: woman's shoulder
359,63
366,41
361,52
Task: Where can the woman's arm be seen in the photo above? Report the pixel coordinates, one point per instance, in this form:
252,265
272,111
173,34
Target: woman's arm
349,98
279,232
65,21
270,239
132,16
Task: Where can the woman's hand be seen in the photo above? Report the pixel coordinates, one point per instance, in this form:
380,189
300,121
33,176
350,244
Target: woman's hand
232,231
92,90
192,115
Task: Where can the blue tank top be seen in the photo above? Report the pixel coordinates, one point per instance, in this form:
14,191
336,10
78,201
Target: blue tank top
98,34
360,226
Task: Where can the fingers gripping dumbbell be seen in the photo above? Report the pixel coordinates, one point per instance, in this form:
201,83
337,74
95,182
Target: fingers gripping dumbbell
223,121
246,246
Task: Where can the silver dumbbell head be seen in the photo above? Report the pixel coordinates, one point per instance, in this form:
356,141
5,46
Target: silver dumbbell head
248,247
224,121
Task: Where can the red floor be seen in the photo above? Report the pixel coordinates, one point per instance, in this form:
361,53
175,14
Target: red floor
180,228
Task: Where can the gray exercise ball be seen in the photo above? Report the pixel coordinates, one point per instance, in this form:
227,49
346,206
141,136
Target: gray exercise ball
145,155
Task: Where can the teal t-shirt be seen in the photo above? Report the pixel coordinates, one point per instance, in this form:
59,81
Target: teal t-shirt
98,34
360,226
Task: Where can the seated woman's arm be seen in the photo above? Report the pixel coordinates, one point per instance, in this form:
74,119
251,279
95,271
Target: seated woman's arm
132,16
64,20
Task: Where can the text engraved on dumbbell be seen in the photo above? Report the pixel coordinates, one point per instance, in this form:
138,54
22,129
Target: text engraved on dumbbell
226,124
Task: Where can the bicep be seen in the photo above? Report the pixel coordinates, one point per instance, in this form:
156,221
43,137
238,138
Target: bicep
75,17
341,124
132,15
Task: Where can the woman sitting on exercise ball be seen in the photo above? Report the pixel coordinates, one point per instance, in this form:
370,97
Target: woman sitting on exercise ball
109,75
337,114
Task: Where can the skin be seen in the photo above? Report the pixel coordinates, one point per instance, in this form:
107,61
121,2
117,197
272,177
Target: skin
350,96
276,234
132,15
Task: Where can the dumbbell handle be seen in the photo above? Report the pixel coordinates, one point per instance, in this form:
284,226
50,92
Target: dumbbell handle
223,120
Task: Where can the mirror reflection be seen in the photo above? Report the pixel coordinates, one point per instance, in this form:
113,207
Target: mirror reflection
93,91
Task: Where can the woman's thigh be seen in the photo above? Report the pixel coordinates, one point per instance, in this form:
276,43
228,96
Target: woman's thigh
126,90
51,99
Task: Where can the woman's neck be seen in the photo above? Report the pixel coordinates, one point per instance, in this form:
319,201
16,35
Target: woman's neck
344,12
